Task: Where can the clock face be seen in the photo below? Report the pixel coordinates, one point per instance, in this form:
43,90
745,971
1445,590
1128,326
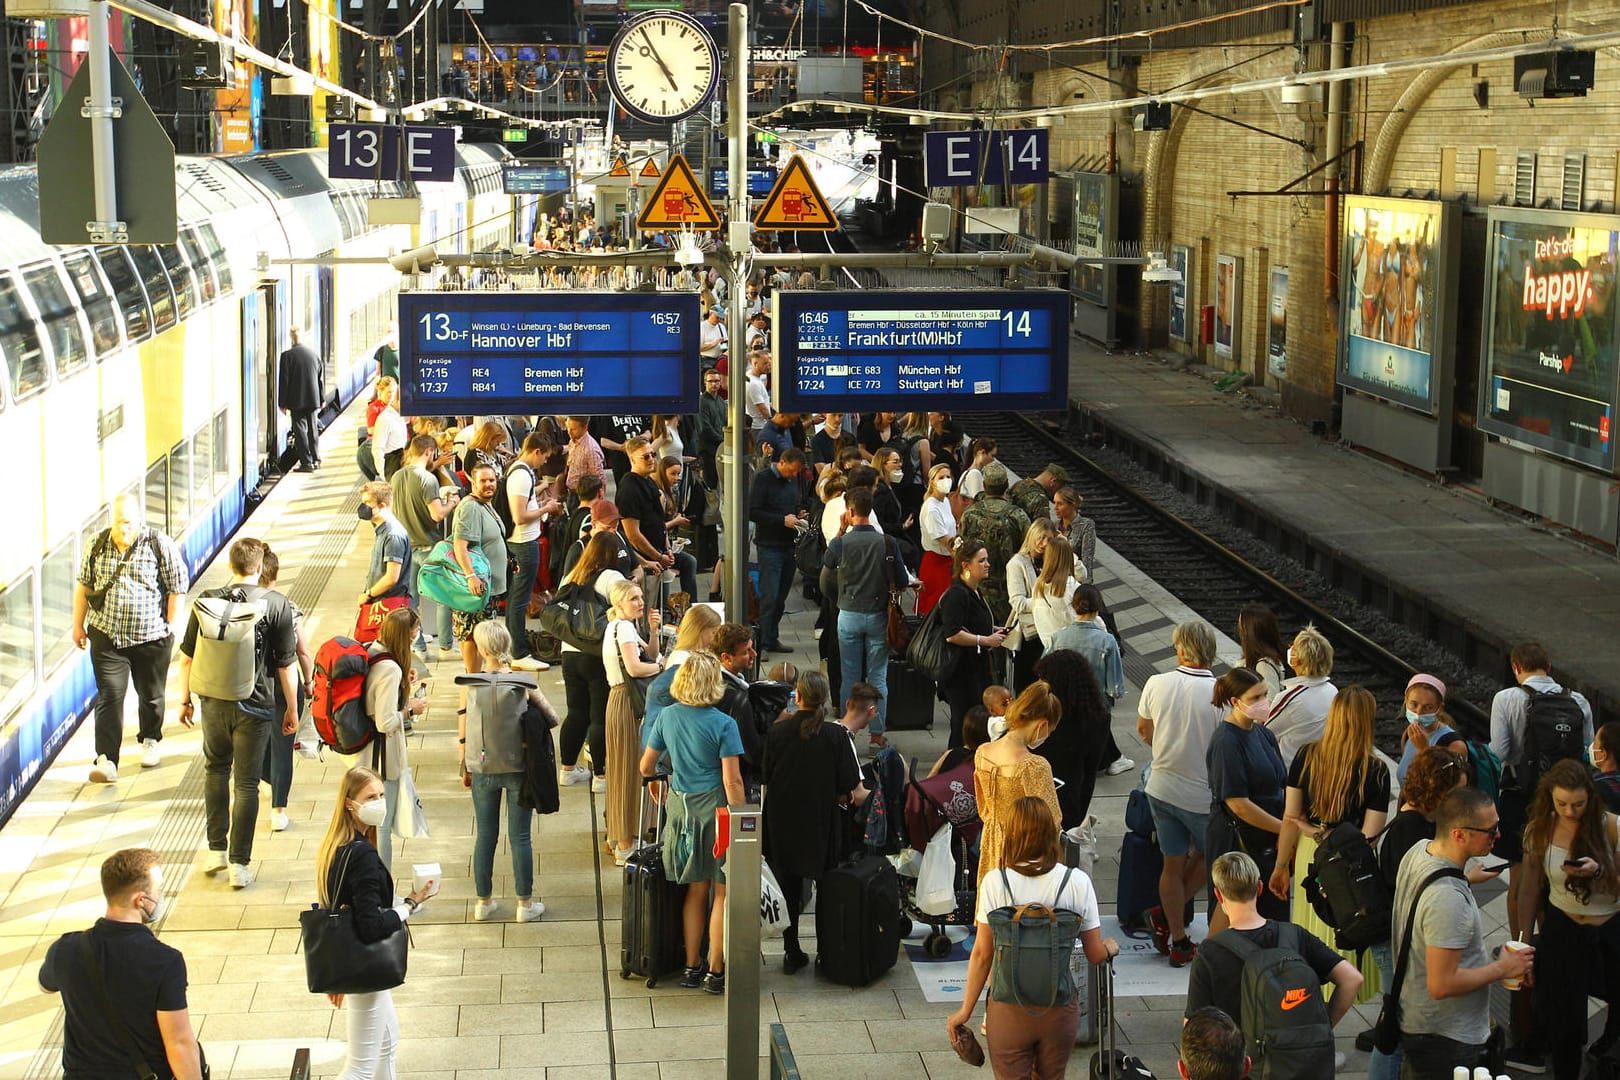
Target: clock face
663,67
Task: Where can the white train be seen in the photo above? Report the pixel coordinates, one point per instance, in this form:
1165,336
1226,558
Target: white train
151,369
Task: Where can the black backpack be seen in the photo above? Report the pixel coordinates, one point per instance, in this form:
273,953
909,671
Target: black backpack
1348,891
1554,729
578,616
502,504
1285,1020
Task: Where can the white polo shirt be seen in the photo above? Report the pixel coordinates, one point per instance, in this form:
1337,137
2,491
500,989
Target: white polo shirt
1182,707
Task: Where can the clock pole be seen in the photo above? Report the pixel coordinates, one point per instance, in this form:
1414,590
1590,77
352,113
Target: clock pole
739,248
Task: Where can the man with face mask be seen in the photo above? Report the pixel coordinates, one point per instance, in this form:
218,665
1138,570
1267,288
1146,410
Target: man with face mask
390,567
126,604
146,1009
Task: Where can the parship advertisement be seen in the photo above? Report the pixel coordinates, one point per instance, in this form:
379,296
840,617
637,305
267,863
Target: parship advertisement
1391,279
1549,355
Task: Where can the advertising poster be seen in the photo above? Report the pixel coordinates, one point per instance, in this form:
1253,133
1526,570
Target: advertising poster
1228,304
1180,259
1090,235
1391,281
1549,378
1277,324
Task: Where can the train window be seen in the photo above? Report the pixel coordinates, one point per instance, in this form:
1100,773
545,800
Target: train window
150,268
20,340
222,450
93,528
16,643
156,496
56,576
206,284
96,301
127,287
202,467
180,276
216,256
59,317
179,488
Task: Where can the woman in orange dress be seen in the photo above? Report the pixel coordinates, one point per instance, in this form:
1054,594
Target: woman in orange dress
1008,769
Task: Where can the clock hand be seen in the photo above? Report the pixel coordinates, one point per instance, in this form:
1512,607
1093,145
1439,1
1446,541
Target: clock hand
659,60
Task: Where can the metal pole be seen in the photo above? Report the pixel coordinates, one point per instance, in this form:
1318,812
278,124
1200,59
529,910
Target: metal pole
740,246
101,109
742,943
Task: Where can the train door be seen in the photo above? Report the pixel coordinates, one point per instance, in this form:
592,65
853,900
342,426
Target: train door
260,450
328,337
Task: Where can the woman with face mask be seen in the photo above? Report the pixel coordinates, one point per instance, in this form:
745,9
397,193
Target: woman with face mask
349,873
1008,769
938,534
1426,722
1246,784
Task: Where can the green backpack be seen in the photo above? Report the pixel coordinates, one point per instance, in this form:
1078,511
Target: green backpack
1033,945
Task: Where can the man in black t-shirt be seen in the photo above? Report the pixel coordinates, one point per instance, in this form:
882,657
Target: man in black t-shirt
126,997
611,433
1216,976
641,510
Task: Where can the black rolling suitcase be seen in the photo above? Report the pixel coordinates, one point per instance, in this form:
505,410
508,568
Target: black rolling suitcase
911,697
858,921
1110,1062
653,943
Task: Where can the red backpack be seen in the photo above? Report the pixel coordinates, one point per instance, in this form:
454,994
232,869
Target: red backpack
339,699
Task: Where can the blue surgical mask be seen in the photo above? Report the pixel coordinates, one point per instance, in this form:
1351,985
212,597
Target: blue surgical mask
1427,723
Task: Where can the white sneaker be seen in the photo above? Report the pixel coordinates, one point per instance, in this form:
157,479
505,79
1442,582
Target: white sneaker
241,876
1338,1060
278,821
103,771
530,663
530,910
151,756
213,861
485,910
579,774
599,784
1124,764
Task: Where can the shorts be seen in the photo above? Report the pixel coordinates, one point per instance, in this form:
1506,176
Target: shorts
462,623
1179,830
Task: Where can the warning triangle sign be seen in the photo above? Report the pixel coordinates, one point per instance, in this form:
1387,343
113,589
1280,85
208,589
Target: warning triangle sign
649,170
796,203
620,167
677,200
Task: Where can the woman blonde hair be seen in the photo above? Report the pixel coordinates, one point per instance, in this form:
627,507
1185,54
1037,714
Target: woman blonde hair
1057,566
1313,655
1035,704
1038,529
698,681
395,635
698,620
343,828
934,474
1339,760
494,640
620,592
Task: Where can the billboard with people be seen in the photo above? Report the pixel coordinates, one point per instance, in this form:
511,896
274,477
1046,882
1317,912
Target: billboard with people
1548,355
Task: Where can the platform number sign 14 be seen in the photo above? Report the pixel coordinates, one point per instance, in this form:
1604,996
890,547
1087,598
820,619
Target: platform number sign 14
1017,323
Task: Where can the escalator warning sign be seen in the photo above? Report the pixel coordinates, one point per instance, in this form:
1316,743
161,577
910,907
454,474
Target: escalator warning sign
795,202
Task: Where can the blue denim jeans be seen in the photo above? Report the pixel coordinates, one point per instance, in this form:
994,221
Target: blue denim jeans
776,569
863,641
486,796
1382,1066
526,556
434,615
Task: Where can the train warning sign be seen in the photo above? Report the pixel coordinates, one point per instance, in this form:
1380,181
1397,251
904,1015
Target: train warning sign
678,201
621,168
796,203
649,170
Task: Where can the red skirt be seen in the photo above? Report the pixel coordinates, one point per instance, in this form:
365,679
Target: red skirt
936,578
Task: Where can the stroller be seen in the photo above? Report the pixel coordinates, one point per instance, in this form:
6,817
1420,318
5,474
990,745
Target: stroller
930,803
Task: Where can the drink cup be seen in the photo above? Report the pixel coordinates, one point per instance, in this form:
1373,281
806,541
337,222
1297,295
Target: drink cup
1514,983
426,876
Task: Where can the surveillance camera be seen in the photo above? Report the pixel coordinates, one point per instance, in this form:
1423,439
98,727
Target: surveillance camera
415,261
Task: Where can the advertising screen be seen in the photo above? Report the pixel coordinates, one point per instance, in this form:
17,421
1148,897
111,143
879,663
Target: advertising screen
1092,224
1549,338
1392,288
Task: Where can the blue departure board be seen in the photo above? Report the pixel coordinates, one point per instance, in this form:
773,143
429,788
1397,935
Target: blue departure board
473,353
966,351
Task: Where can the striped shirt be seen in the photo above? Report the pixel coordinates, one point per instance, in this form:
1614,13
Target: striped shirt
132,612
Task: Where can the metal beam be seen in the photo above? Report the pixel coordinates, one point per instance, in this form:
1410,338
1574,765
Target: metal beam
1039,257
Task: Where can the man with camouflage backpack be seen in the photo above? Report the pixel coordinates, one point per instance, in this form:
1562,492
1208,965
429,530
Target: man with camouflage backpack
1000,527
1034,495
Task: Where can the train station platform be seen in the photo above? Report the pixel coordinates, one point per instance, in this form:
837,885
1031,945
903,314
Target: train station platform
1438,559
496,998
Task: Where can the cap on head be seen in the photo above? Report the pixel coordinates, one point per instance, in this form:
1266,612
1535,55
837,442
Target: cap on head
604,513
1057,472
995,475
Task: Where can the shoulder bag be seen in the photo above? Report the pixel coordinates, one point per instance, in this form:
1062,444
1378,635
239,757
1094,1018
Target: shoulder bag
97,597
336,961
635,688
1387,1029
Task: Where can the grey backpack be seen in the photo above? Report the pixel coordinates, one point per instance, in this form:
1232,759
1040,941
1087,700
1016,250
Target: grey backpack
224,658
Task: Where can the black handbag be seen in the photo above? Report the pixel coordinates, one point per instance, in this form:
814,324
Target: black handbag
336,961
929,652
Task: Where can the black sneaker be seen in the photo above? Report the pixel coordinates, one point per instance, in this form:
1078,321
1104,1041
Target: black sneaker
794,961
692,977
715,982
1523,1059
1364,1041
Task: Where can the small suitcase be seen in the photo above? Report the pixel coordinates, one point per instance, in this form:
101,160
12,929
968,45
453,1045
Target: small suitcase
1088,990
653,941
910,696
1139,867
858,921
1110,1062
